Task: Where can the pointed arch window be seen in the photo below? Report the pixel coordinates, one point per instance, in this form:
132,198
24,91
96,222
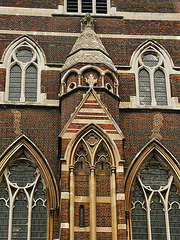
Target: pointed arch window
152,79
23,75
155,203
23,203
87,6
24,60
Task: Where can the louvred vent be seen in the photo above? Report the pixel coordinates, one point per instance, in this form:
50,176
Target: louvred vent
72,5
87,6
101,6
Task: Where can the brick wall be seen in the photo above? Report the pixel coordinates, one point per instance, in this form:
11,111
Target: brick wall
50,84
146,5
175,85
38,124
121,5
32,3
139,127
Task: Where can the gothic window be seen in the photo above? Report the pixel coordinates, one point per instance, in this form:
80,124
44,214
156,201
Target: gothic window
152,84
23,74
155,205
23,204
87,6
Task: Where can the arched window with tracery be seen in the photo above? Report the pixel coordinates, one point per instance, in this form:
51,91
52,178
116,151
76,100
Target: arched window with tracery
155,202
152,66
23,202
23,75
152,79
27,194
23,61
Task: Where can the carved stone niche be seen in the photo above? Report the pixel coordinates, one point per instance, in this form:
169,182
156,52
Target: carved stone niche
91,78
81,160
102,160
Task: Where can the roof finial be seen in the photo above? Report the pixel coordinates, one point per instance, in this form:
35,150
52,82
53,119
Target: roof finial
87,21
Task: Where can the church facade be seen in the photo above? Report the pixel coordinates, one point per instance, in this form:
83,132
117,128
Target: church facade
89,120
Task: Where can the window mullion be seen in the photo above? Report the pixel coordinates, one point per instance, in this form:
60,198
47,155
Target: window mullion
94,6
166,208
148,208
30,204
153,99
79,6
22,99
11,207
137,86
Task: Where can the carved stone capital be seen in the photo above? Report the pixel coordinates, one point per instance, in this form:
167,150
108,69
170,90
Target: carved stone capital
92,168
113,169
71,168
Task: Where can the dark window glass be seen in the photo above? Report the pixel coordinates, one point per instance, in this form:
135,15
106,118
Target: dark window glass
138,215
174,213
158,224
150,60
24,55
72,5
101,6
144,88
87,6
81,216
31,84
4,212
160,88
39,221
15,83
139,223
20,218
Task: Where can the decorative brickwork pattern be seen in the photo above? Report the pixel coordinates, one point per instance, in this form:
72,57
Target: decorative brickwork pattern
104,235
127,87
50,84
33,4
65,234
102,185
64,181
103,217
175,85
146,5
81,235
81,185
2,79
137,127
65,211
